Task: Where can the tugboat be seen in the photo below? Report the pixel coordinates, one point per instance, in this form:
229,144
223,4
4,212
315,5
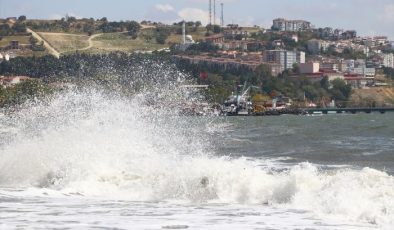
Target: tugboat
239,104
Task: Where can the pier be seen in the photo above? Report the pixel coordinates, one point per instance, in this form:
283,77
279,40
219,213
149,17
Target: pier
306,111
348,110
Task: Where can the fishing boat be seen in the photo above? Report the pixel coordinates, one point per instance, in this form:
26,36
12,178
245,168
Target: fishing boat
239,104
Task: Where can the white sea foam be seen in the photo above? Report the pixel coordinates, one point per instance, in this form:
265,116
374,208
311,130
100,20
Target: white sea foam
114,148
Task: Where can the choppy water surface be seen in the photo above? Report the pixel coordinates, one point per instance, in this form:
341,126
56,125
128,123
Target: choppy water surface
88,160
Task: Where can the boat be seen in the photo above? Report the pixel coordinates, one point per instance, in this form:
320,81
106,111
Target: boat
239,104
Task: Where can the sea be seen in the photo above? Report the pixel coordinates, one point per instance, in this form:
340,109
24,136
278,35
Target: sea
87,160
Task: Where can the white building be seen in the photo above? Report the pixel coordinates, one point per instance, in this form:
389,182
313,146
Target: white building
282,24
359,67
285,58
310,67
388,60
316,46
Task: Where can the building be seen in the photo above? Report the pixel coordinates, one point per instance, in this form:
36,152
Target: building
285,58
14,45
349,34
361,68
381,40
282,24
310,67
388,60
235,34
315,46
357,81
327,32
329,66
217,38
317,77
230,63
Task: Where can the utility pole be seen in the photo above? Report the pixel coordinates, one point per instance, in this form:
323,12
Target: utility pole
184,32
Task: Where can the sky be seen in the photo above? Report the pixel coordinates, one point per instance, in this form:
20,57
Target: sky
368,17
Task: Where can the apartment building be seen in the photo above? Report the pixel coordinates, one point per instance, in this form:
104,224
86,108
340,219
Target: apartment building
388,60
282,24
285,58
315,46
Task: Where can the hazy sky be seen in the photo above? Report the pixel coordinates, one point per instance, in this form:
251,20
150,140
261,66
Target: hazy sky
368,17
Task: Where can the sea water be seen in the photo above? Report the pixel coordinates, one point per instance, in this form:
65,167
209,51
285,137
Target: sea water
85,159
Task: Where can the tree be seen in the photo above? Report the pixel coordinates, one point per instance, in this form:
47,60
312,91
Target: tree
19,27
133,28
209,27
71,19
340,90
263,71
296,68
162,35
203,47
22,18
217,29
239,37
88,28
5,30
324,83
389,72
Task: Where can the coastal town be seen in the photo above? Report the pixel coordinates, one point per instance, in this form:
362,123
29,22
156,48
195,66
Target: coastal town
323,55
290,50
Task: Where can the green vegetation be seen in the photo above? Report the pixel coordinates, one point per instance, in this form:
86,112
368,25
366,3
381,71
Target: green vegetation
12,29
5,41
389,72
346,54
120,41
161,34
22,92
85,25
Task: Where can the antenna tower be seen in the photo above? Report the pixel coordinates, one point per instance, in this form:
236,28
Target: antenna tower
222,17
214,12
210,12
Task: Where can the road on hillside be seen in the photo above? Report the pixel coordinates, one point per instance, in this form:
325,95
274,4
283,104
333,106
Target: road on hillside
56,53
48,46
90,42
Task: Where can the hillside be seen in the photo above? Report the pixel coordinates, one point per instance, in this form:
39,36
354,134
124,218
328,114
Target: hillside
373,97
63,42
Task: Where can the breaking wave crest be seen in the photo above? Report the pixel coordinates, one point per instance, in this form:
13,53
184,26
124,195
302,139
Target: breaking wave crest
98,145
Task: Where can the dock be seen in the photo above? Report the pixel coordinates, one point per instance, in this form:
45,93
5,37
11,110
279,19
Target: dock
348,110
306,111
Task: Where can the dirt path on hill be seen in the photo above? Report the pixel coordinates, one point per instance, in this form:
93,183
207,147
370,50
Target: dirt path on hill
48,46
90,42
55,53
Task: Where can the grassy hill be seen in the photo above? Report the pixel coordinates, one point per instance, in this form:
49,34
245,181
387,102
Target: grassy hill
66,42
22,39
5,41
108,42
123,42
